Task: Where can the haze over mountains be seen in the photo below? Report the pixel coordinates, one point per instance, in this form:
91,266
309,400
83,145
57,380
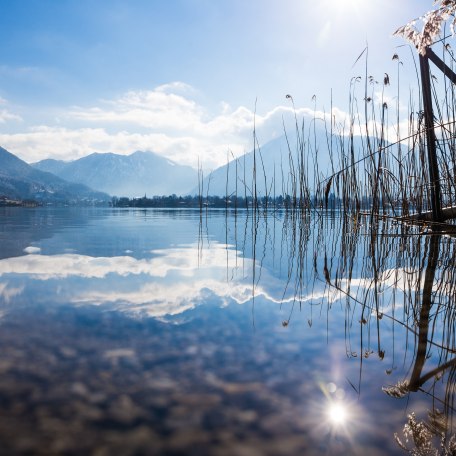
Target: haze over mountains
281,163
278,166
126,175
18,180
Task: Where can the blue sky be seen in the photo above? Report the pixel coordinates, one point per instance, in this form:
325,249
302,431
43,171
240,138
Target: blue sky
181,77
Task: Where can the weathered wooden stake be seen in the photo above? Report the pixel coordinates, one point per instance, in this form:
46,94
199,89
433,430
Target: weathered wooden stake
441,65
434,178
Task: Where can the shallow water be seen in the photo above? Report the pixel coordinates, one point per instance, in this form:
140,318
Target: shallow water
168,332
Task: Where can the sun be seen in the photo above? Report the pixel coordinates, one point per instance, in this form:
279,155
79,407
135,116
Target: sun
345,7
350,3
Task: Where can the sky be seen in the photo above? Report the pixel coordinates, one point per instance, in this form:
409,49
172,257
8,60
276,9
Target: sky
187,79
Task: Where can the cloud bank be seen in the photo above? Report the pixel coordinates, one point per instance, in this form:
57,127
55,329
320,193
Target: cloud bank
168,120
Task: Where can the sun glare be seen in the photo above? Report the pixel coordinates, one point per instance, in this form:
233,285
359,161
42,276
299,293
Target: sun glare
351,3
346,7
337,414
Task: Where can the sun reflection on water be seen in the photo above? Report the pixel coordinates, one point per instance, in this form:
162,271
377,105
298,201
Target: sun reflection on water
338,414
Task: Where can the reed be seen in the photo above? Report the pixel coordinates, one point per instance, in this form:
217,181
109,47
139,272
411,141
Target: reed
359,228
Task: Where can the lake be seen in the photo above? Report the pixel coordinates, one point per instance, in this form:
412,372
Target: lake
172,332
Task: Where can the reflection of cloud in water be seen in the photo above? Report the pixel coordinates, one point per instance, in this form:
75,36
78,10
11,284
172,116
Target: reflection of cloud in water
41,267
393,285
159,299
31,249
184,260
7,293
173,281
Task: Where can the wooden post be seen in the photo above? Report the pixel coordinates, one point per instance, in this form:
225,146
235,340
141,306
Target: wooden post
434,178
441,65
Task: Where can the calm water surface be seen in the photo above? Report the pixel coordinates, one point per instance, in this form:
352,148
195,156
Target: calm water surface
164,332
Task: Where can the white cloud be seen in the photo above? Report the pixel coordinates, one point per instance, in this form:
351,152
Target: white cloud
176,87
167,120
69,144
157,109
6,115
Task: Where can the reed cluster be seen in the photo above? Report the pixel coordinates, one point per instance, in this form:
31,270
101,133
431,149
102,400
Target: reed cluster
373,161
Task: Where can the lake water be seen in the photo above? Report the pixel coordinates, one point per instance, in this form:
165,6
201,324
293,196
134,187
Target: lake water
135,332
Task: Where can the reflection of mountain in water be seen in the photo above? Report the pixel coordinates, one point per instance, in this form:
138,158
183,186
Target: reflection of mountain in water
22,228
92,231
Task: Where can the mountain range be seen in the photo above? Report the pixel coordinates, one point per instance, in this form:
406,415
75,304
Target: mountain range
281,163
274,169
131,175
22,181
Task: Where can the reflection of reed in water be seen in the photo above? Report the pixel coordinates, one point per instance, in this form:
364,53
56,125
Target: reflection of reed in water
347,231
433,308
381,272
398,267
